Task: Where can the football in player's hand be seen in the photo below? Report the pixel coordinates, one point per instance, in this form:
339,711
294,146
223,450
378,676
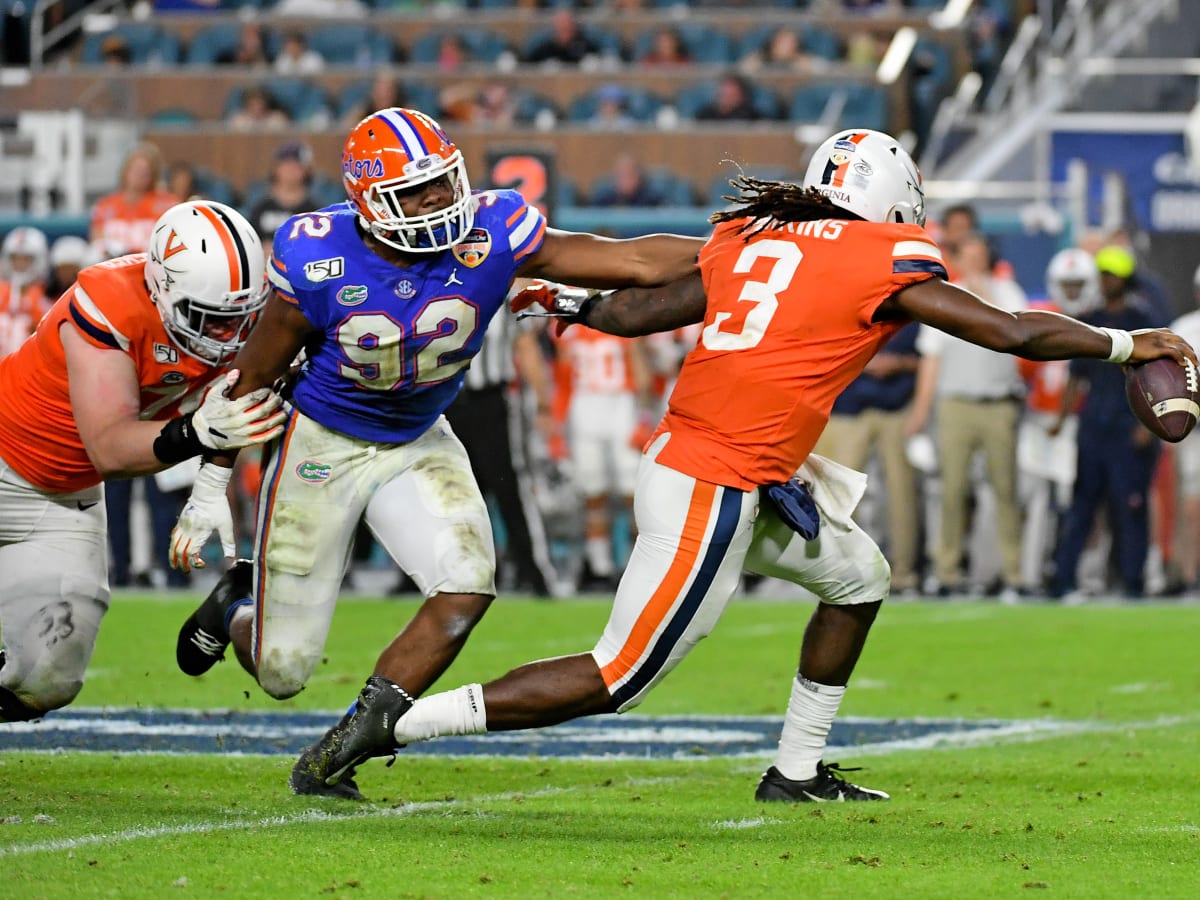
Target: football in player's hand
1163,395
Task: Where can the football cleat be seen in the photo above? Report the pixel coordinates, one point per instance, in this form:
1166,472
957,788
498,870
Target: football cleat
366,731
205,635
827,786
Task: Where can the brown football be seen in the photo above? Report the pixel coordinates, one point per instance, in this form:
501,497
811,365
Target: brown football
1163,395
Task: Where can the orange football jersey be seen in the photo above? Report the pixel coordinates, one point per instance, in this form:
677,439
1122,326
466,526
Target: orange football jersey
787,327
19,314
120,227
1046,381
111,308
598,361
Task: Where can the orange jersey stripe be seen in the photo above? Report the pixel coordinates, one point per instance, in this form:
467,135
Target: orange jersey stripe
670,589
533,244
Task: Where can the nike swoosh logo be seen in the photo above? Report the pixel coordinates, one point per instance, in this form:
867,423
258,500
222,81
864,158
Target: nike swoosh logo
84,507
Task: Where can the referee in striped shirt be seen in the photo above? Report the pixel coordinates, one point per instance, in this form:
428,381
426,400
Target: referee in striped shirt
489,425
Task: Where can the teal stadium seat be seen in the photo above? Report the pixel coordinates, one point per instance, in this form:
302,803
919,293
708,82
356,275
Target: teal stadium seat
674,189
211,42
704,43
690,100
300,99
215,187
641,105
815,40
148,45
720,187
173,117
609,42
355,44
416,95
531,103
482,44
866,106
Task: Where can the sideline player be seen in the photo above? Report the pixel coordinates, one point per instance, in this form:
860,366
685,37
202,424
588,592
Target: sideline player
129,346
798,287
390,295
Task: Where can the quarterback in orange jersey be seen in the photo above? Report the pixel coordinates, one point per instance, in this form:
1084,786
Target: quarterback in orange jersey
110,386
798,287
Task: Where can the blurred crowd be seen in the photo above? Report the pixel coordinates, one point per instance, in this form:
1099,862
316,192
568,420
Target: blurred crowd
991,476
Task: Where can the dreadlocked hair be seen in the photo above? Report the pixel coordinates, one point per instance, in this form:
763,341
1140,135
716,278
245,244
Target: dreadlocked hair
764,203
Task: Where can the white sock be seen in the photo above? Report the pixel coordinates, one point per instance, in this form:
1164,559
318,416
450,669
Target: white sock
599,556
810,715
459,711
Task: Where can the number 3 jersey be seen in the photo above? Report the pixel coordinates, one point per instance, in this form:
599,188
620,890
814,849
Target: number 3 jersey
395,340
787,326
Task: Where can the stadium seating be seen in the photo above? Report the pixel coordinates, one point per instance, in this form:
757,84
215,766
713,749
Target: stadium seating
352,44
148,44
704,43
303,100
211,42
482,44
692,99
641,105
815,40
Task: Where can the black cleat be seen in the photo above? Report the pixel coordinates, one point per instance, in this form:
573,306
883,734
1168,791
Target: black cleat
368,731
204,637
827,786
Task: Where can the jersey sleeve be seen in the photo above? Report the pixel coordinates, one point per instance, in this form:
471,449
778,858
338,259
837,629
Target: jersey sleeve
288,272
524,225
901,256
100,311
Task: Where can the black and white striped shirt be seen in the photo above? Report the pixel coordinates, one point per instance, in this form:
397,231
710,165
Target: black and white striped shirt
493,364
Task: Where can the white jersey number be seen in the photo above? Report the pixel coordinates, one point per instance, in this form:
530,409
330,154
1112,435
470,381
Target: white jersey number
763,294
374,344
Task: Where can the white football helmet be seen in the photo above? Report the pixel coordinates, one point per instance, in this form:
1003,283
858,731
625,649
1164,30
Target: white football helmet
869,174
29,243
1073,281
72,250
206,273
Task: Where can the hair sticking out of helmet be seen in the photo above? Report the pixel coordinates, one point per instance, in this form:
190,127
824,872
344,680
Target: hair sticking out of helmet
1073,281
387,157
869,174
206,273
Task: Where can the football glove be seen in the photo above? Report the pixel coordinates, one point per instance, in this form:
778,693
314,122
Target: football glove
207,510
568,305
224,424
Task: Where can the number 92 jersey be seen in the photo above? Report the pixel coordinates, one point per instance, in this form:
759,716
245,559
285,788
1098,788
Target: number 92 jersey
396,339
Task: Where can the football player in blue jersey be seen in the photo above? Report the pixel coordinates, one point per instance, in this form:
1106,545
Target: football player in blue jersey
388,295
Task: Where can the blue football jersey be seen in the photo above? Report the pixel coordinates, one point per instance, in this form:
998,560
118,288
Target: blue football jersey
395,340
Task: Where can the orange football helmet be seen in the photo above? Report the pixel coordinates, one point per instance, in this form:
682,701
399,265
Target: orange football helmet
389,153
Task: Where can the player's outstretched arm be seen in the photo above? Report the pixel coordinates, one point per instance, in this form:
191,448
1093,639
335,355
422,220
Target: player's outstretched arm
276,339
588,260
1033,334
633,312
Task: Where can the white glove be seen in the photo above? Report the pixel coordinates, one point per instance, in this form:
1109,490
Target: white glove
224,424
207,510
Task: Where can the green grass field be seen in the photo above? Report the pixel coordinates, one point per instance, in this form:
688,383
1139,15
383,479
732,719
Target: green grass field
1104,802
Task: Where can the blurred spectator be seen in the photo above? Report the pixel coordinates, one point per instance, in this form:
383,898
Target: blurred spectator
24,269
181,181
296,57
980,395
386,91
1145,287
627,185
257,109
566,42
865,49
493,104
69,254
453,53
667,49
783,50
1116,455
1188,456
251,48
122,221
612,112
868,418
114,52
289,193
732,101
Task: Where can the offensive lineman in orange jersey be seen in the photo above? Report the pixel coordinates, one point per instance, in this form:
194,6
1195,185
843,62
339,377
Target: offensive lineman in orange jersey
798,287
130,346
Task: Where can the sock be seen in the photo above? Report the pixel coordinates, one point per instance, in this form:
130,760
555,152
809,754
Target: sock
245,603
810,715
599,556
459,711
